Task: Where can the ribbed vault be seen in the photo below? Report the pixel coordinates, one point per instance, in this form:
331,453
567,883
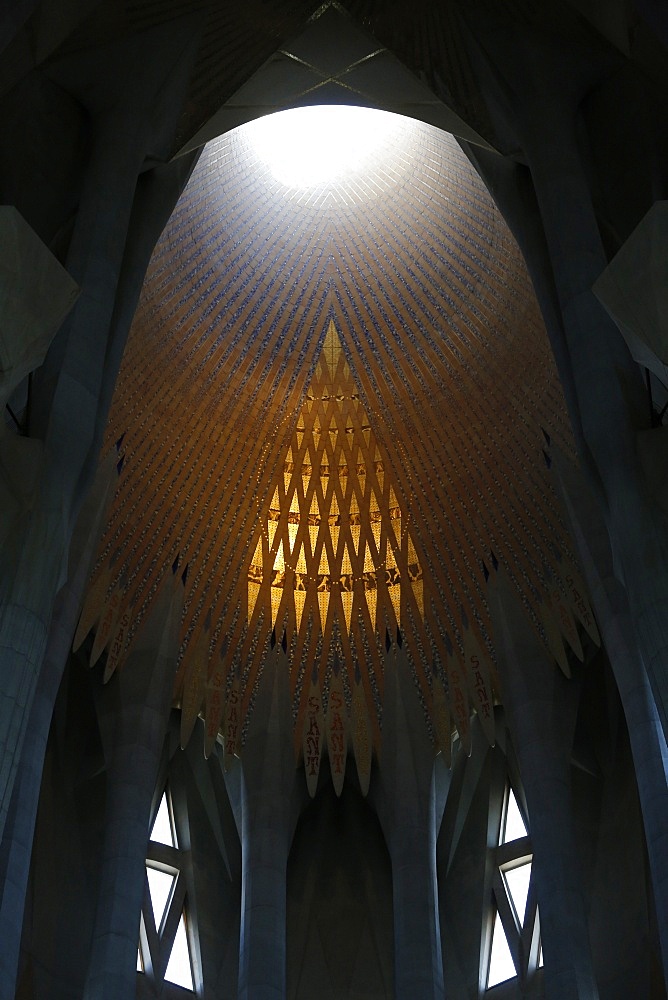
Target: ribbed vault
330,408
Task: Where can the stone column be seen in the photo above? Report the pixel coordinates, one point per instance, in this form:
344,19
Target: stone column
637,528
16,847
409,797
630,558
633,602
541,708
267,792
25,617
648,743
608,387
129,90
134,717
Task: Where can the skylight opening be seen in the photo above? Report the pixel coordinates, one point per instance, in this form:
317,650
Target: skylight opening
308,147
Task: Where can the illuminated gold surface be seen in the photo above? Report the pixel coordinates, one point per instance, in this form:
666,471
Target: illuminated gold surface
333,536
332,412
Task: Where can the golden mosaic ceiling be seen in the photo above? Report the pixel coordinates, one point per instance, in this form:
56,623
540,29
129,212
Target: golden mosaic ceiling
330,408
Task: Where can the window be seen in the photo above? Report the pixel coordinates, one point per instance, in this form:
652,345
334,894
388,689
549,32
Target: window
165,949
514,948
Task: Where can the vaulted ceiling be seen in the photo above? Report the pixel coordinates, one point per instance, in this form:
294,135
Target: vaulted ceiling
437,350
332,408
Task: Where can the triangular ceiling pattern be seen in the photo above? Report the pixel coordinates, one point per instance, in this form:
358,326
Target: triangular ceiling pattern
335,540
335,545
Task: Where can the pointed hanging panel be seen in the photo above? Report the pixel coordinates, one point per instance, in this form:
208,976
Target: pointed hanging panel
231,722
312,741
361,736
337,731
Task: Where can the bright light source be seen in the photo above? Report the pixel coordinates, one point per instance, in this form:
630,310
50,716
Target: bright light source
312,146
517,880
501,965
162,831
514,826
179,969
160,888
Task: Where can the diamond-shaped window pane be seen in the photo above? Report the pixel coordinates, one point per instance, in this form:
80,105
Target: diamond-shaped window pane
162,831
501,965
160,887
514,827
517,880
179,969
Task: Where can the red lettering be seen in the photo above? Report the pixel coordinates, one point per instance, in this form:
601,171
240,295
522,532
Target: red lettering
312,765
314,728
337,742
